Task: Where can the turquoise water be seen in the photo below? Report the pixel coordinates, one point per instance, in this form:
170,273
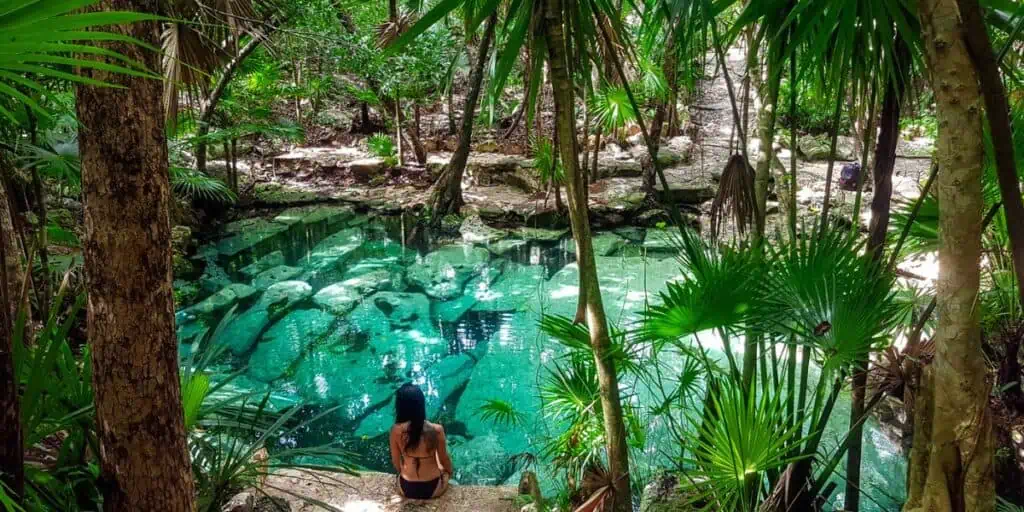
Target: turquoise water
334,309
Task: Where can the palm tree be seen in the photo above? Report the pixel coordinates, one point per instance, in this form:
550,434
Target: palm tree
757,445
554,31
123,148
951,461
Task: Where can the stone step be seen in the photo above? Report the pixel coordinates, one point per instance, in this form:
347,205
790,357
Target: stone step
369,492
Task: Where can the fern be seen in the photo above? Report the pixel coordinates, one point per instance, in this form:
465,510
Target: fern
195,185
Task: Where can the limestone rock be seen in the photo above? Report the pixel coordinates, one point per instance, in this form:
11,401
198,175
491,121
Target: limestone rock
605,244
475,231
383,279
251,237
516,285
265,263
337,298
443,273
275,275
243,331
402,309
366,168
223,300
505,246
541,235
286,341
661,240
214,278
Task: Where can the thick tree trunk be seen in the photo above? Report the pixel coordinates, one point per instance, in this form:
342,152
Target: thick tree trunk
997,110
127,247
12,472
951,460
565,119
447,195
885,161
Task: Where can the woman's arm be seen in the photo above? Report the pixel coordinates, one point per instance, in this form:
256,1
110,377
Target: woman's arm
442,452
396,450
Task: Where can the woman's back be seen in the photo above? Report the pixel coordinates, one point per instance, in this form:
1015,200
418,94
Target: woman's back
419,449
419,462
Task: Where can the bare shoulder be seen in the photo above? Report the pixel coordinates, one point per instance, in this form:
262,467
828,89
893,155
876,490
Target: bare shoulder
436,427
399,428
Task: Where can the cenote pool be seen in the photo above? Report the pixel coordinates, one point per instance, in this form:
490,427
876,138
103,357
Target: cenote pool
337,309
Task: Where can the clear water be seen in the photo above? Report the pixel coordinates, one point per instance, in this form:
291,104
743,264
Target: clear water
350,322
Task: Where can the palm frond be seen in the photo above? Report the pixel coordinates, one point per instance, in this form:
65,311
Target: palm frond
198,186
39,37
501,412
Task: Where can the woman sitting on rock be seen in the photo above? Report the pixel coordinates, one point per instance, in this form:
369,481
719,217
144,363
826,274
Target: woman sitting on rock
419,449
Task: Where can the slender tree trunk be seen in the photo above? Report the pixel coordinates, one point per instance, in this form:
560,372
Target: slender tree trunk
452,128
393,11
12,472
951,460
565,119
447,195
234,165
997,111
43,294
885,161
139,417
209,105
595,173
766,121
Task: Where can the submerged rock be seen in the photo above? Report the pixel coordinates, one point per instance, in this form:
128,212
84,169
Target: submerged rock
275,275
223,300
337,298
242,332
274,259
402,310
605,244
390,278
661,240
443,378
517,285
443,273
250,237
287,340
214,279
505,246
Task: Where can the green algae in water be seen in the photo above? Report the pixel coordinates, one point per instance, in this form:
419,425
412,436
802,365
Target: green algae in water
354,313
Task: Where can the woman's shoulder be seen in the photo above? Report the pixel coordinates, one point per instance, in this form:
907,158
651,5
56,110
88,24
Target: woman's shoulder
433,427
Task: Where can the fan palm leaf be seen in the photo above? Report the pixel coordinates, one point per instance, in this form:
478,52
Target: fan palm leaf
50,38
830,296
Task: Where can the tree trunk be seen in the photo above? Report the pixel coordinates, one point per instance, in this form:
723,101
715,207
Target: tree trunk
997,110
139,418
393,11
951,460
12,472
766,121
447,196
452,128
209,105
565,119
885,161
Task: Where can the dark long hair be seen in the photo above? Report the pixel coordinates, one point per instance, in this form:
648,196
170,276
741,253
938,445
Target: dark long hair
411,406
